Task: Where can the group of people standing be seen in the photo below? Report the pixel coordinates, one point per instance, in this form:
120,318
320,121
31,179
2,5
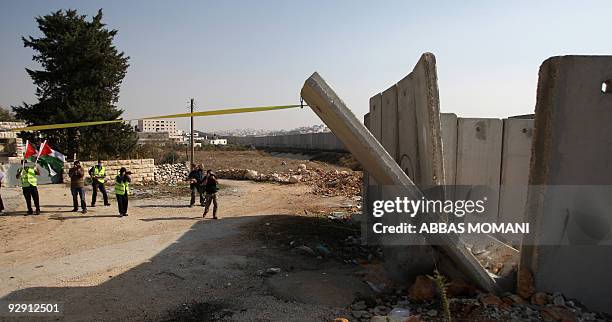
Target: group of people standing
77,185
205,186
98,178
29,184
201,183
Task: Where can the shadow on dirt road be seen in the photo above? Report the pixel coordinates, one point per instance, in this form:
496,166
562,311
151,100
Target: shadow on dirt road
210,273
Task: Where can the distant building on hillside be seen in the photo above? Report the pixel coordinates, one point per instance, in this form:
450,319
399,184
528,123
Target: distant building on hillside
217,141
204,139
213,140
160,126
155,125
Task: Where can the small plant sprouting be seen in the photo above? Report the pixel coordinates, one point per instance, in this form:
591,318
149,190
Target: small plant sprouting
441,284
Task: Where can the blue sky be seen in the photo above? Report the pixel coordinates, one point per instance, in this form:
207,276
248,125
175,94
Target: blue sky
250,53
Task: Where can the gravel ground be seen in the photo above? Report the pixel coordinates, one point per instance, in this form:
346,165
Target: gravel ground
162,262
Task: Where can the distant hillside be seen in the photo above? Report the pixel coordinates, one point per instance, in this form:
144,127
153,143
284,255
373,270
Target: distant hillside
259,132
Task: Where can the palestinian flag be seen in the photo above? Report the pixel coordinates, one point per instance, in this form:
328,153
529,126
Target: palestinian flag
51,159
29,151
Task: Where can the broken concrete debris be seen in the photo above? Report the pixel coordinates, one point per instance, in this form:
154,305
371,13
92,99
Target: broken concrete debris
525,283
479,305
335,183
325,182
273,270
423,289
420,298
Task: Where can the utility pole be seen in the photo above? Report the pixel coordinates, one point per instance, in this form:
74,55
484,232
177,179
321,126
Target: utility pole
191,137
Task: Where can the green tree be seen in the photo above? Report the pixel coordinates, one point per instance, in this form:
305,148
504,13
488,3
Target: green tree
79,81
6,115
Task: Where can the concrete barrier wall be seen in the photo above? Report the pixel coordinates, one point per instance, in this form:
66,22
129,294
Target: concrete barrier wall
310,141
407,122
490,152
476,151
479,153
405,119
142,169
569,249
448,122
516,153
565,158
464,151
389,133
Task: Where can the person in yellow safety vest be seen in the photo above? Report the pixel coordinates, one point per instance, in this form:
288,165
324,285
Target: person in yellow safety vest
27,174
98,173
122,190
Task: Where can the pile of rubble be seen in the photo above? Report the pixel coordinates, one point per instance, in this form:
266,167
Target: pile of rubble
328,183
173,174
336,183
247,174
421,302
170,174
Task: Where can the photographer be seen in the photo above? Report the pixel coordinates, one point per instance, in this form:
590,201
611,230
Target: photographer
210,187
196,184
122,190
76,174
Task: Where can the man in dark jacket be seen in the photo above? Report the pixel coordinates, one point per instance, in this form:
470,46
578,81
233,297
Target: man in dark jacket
196,181
77,184
1,203
210,187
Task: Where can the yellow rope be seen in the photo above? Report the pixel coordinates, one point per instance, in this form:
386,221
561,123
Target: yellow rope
169,116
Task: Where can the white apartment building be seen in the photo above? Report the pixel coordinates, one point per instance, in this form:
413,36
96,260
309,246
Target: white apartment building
159,125
156,125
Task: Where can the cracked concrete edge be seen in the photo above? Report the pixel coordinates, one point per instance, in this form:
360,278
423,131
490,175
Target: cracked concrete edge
374,158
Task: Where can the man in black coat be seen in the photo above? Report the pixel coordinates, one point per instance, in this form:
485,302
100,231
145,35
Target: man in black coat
196,180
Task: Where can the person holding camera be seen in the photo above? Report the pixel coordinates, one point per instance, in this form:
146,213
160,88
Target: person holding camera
76,174
1,202
196,180
122,190
210,187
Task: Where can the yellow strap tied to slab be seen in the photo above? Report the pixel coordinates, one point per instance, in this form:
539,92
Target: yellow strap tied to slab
169,116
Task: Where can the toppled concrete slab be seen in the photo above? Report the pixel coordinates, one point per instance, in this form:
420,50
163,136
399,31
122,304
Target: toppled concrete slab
383,167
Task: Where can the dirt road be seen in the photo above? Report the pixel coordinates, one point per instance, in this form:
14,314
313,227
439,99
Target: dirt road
161,261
